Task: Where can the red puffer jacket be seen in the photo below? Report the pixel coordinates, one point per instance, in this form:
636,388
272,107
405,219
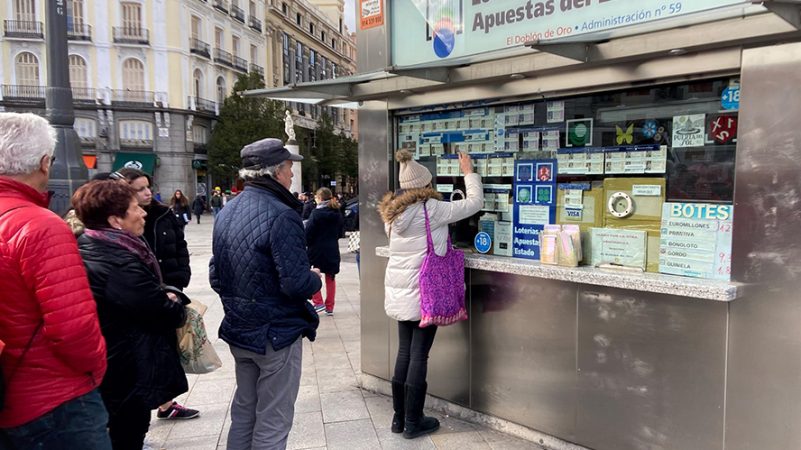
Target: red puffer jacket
42,277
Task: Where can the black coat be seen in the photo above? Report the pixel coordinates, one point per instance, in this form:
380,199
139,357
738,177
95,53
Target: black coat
138,321
179,211
308,207
165,235
198,206
322,237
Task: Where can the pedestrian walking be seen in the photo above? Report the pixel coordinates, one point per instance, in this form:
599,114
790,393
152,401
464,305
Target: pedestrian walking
164,233
138,313
216,202
323,229
260,269
55,356
179,205
308,205
198,206
405,222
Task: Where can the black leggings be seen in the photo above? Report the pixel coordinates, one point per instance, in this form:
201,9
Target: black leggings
411,364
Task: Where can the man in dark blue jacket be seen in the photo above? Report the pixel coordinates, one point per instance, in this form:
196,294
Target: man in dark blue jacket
260,269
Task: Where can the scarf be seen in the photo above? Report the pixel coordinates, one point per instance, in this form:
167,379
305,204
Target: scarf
282,193
324,204
129,242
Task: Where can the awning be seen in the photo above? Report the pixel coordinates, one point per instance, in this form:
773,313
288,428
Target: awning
90,161
145,162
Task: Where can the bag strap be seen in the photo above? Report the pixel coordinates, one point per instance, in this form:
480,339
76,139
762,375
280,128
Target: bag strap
429,238
35,331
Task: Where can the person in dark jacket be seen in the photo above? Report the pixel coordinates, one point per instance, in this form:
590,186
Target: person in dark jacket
308,205
323,229
165,236
260,269
179,205
138,314
198,206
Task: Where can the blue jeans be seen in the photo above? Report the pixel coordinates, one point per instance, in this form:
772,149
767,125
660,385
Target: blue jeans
78,423
215,210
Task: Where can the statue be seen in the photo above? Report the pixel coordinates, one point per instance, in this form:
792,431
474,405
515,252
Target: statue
289,127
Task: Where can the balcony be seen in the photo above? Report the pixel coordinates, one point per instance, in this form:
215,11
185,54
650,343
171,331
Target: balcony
223,57
221,5
202,104
23,93
132,98
257,69
84,95
240,64
79,32
131,35
238,13
254,23
199,47
24,29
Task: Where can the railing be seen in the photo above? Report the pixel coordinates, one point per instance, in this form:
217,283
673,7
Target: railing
142,98
23,92
202,104
24,29
221,5
83,95
223,57
240,64
199,47
254,23
131,35
238,13
257,69
79,32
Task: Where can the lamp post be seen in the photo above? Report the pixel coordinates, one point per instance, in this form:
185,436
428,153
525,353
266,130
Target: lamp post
68,171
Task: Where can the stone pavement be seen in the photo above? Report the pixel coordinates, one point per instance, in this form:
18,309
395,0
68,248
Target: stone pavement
332,411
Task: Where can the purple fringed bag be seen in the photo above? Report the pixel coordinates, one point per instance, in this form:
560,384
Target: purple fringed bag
441,284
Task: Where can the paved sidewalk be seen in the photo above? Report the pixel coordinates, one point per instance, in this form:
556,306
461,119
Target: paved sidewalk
331,412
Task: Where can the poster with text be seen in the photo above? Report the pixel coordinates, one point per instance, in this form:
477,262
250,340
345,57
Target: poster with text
696,240
534,205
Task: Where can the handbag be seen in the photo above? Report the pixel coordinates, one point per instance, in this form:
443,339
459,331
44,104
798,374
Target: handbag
353,242
442,287
196,352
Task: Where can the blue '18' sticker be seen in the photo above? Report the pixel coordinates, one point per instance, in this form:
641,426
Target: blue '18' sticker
483,242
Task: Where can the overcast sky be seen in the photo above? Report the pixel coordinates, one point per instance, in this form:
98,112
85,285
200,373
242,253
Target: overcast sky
350,19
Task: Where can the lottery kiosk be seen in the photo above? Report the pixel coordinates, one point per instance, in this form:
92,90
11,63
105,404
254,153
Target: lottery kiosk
633,276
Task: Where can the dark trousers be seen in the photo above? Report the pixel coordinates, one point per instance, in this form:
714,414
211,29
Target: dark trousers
78,423
128,425
415,343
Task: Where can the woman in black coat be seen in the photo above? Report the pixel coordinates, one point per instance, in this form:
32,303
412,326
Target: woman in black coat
322,238
198,206
179,205
138,315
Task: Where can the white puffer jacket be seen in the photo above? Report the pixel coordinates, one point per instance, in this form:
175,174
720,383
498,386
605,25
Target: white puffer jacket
407,242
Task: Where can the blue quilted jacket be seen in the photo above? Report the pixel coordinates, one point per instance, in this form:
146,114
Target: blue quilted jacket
260,269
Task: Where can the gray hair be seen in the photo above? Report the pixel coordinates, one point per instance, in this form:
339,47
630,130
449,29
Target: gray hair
24,140
251,174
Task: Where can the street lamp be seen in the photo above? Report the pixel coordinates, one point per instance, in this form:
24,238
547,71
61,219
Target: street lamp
68,171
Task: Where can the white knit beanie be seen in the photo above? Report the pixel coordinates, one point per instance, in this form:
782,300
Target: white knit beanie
412,174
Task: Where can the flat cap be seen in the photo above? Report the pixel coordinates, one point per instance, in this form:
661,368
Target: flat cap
265,153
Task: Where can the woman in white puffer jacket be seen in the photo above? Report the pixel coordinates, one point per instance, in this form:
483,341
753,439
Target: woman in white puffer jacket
404,222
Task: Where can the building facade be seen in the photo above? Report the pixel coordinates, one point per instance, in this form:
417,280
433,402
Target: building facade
308,41
148,77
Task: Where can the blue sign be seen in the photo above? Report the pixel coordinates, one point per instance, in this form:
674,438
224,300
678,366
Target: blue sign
534,204
730,99
483,242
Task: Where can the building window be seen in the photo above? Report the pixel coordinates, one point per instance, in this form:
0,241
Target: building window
298,19
132,19
287,72
197,83
311,28
136,132
284,9
25,10
235,45
133,75
200,134
86,129
299,63
27,68
221,91
340,25
218,37
78,78
197,28
75,15
334,44
254,54
252,9
312,65
322,36
323,68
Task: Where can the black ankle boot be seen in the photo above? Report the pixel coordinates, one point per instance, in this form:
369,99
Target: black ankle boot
416,423
398,398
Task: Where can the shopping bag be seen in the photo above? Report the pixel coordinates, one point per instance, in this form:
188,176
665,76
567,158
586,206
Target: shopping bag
196,352
353,242
442,286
